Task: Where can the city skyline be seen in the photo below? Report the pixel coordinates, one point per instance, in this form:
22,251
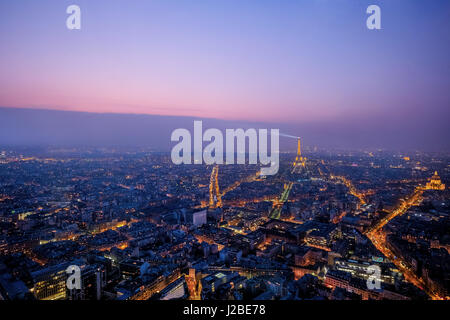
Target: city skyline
229,157
136,227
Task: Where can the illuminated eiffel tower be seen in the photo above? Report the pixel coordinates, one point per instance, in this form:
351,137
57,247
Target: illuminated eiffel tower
300,161
299,166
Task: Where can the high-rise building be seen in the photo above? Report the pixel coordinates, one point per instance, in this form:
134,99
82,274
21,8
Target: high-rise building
176,290
199,218
50,283
93,279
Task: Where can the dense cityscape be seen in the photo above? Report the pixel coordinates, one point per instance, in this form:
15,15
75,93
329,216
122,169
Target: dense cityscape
141,228
224,158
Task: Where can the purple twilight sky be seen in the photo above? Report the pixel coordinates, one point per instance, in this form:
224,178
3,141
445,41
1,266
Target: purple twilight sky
310,67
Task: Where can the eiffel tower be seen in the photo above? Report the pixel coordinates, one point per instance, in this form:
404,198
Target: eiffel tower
300,161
